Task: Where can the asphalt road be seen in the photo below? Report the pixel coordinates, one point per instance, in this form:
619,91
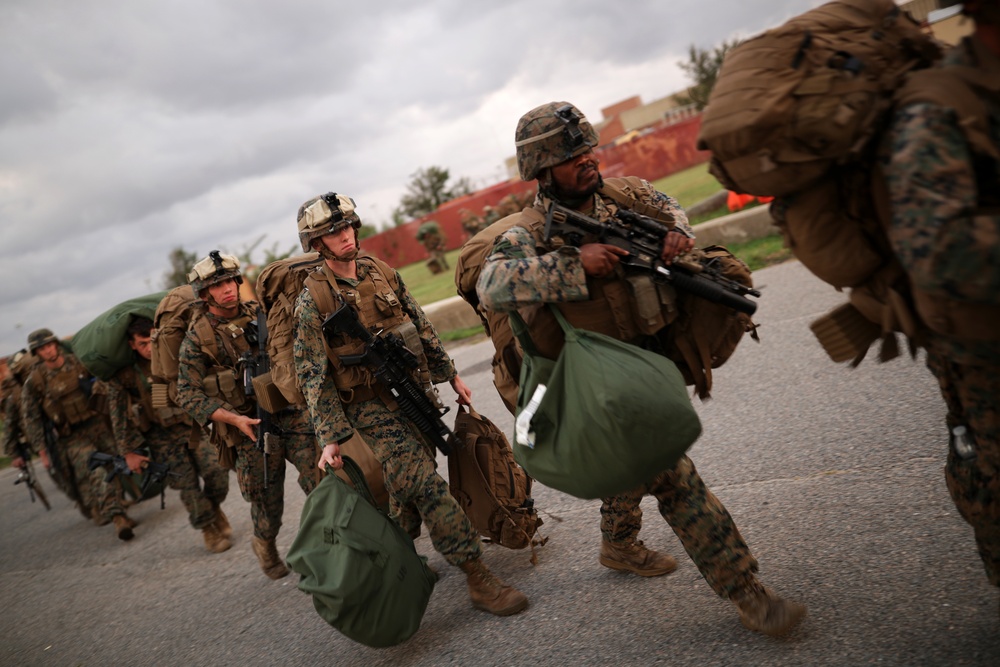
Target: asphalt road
833,475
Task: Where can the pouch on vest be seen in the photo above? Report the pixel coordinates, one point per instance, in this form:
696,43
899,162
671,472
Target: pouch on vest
361,569
490,486
610,418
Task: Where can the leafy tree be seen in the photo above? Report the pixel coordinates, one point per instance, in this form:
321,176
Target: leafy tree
703,67
427,190
250,269
181,263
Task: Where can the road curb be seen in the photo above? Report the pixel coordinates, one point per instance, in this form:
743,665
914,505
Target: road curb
454,313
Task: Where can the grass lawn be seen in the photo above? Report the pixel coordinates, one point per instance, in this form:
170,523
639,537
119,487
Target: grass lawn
690,186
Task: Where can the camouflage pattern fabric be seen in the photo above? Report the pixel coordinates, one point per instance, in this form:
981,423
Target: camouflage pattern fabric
266,506
13,432
76,444
214,478
947,249
519,273
407,464
166,445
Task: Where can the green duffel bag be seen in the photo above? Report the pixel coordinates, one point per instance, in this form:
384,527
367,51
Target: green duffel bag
361,569
101,344
603,418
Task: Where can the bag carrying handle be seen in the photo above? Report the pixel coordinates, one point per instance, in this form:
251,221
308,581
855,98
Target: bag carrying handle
357,477
520,329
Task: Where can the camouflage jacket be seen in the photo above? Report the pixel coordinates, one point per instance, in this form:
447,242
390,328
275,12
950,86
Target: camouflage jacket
13,432
944,246
332,421
518,273
121,387
194,366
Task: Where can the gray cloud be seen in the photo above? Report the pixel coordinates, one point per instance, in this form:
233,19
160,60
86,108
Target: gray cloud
128,128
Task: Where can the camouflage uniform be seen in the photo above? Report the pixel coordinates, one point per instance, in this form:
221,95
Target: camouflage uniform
520,273
13,432
76,441
407,463
299,447
134,428
433,240
945,229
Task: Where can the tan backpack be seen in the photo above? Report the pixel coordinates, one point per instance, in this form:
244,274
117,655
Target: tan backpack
278,286
793,102
492,489
170,324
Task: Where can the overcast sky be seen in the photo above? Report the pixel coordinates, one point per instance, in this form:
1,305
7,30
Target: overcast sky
130,127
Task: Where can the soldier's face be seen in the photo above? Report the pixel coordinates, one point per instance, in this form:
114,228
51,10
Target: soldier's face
226,293
341,242
143,346
48,352
576,178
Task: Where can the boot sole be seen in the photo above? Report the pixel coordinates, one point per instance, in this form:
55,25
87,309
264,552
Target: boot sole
796,617
622,567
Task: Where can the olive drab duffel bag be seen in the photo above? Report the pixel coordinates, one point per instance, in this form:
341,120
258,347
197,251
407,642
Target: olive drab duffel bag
102,344
603,418
361,569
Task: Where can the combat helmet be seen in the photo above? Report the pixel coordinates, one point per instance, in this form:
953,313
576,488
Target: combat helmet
40,337
549,135
324,215
215,268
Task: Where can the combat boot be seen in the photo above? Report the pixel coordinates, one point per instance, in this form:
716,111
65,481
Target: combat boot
222,523
634,557
215,541
489,593
267,555
762,610
123,527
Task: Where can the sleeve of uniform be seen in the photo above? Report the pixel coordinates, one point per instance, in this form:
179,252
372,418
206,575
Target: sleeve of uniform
315,379
932,190
31,415
11,415
127,436
191,371
515,275
654,197
440,364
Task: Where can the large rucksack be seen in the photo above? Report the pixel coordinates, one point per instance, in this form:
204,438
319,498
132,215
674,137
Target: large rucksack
102,344
365,577
796,113
278,286
171,320
492,489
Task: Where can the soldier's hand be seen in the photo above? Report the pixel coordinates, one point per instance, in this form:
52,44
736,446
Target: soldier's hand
44,456
600,259
676,243
463,391
246,424
18,462
136,462
330,456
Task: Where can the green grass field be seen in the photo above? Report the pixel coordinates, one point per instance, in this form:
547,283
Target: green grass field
690,186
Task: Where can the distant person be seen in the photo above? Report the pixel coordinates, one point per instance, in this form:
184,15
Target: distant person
430,235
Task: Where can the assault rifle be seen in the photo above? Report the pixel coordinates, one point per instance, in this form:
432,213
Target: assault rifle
156,473
392,363
256,362
26,475
642,237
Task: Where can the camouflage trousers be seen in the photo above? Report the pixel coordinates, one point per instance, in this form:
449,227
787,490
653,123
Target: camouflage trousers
972,393
297,445
416,490
169,446
698,519
214,478
87,487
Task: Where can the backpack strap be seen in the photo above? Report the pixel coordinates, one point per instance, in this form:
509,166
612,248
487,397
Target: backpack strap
620,191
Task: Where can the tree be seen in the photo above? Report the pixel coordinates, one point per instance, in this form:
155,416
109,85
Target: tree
181,263
703,67
427,190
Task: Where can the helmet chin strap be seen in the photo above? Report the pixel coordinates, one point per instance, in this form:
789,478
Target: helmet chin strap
210,300
326,253
547,187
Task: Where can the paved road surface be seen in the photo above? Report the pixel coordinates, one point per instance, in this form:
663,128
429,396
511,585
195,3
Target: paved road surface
834,476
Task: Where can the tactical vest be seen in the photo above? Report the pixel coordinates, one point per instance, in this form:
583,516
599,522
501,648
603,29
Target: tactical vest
378,308
223,379
64,400
141,412
623,307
